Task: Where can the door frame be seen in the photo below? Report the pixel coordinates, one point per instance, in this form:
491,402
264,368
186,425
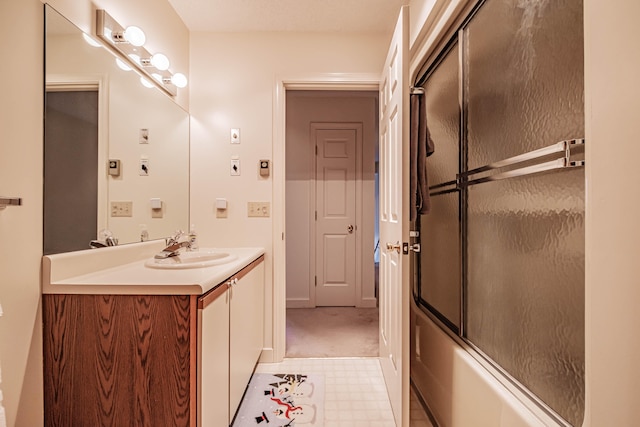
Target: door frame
327,81
313,200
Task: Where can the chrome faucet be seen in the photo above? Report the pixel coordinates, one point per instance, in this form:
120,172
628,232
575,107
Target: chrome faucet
107,239
174,245
175,238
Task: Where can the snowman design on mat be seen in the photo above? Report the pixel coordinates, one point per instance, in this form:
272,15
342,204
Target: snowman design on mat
291,397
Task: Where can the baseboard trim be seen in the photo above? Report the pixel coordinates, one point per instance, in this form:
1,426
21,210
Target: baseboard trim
367,303
299,303
268,356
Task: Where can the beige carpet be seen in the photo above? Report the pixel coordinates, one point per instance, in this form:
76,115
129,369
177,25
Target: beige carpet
332,332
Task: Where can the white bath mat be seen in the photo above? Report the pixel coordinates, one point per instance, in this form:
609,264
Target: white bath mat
282,400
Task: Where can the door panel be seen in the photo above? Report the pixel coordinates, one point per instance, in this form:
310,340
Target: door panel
394,296
336,216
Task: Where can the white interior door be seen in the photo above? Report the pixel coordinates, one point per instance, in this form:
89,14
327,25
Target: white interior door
394,220
335,216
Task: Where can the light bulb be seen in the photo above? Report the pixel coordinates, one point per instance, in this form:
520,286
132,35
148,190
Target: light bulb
135,58
145,82
160,61
157,76
122,65
108,34
179,79
135,36
90,40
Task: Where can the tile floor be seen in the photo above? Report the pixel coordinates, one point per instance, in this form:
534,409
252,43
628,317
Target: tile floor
355,393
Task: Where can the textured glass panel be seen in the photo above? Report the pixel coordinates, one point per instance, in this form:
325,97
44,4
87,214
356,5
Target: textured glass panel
443,119
525,289
524,77
440,256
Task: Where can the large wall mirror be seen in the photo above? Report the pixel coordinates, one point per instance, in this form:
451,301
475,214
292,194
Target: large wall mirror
116,153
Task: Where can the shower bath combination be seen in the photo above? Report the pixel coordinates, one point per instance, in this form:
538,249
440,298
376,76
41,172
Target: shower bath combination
501,267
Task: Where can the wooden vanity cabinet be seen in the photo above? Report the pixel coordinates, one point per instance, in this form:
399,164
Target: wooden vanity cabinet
149,360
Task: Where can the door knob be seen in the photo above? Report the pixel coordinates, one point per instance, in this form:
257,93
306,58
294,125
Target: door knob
391,247
350,228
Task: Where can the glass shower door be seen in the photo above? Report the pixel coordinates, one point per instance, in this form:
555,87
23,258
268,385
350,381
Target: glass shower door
502,250
523,80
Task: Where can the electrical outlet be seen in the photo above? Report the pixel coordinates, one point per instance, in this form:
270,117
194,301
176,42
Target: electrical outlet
121,209
258,209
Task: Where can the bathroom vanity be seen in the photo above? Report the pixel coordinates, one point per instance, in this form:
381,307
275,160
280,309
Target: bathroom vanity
130,344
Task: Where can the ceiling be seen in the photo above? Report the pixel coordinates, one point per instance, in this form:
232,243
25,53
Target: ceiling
371,16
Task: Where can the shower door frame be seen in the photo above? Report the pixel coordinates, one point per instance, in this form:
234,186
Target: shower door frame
461,185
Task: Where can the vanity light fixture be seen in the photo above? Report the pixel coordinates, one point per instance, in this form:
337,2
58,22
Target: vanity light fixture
133,35
128,44
179,79
145,82
160,61
122,65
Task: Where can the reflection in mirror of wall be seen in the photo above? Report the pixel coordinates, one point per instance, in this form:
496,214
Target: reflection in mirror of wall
97,115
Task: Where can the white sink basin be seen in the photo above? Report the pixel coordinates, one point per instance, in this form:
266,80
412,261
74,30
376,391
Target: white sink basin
196,259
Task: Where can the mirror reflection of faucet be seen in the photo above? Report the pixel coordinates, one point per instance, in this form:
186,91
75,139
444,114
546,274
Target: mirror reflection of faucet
105,238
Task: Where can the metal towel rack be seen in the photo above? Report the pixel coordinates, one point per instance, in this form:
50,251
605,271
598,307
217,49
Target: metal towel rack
10,201
521,163
554,157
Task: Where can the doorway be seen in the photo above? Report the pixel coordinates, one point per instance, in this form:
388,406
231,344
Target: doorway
71,155
331,144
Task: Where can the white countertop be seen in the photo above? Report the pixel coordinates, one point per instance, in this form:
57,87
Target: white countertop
102,271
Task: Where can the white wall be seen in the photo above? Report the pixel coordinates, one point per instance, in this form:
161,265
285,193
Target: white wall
303,108
21,226
612,60
232,86
21,175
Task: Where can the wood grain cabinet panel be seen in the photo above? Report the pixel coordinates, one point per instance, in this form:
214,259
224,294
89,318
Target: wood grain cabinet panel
118,360
147,360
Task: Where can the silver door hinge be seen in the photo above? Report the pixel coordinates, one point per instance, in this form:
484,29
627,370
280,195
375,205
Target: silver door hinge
414,233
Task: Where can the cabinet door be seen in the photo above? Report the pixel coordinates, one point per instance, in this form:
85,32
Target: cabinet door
213,360
247,326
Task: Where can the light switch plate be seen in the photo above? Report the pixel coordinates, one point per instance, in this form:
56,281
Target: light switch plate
143,136
144,167
235,136
235,167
